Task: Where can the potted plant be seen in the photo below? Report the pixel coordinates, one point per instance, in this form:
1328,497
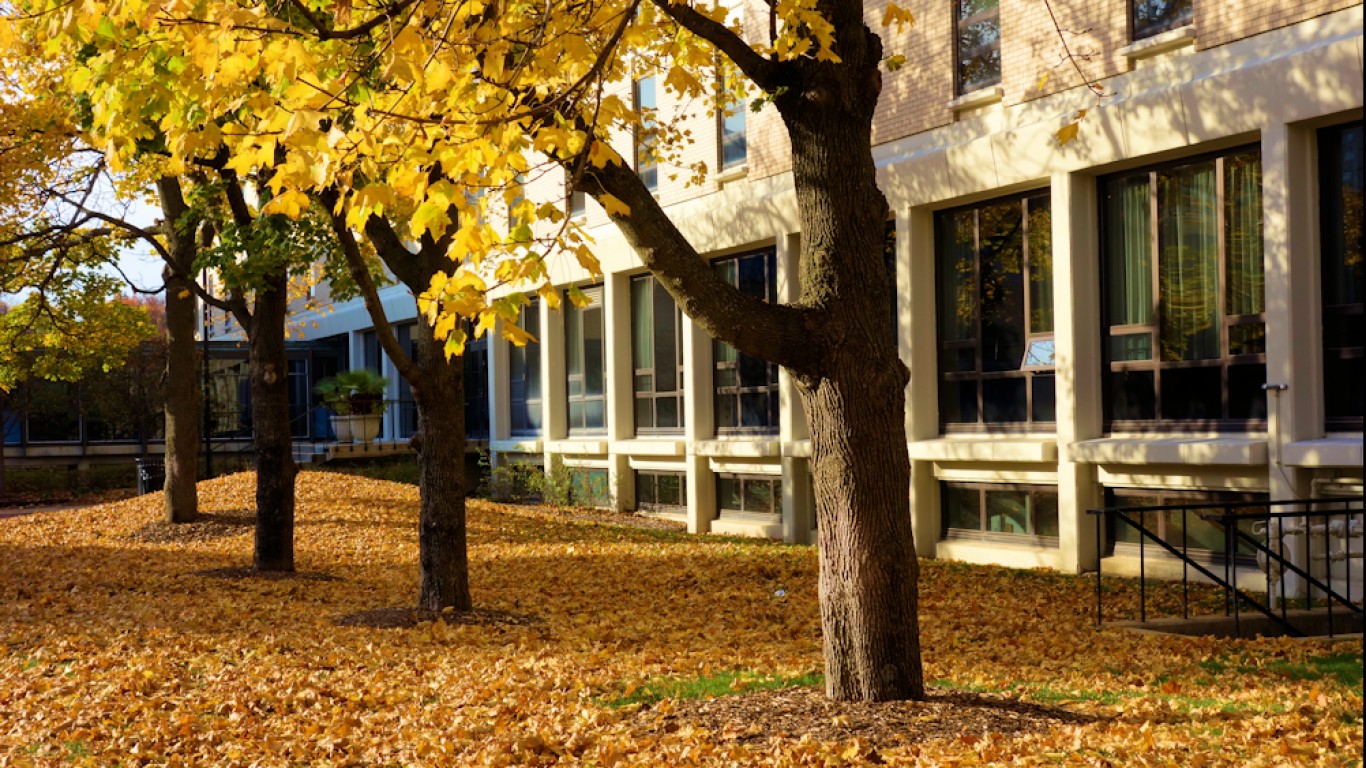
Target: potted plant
338,401
365,399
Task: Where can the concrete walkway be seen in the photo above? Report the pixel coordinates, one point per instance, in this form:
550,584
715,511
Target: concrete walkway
6,512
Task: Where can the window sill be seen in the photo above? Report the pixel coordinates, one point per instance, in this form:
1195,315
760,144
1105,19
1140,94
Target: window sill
578,446
734,173
516,445
651,446
984,448
746,448
1160,43
979,98
1325,452
730,526
1021,555
1199,451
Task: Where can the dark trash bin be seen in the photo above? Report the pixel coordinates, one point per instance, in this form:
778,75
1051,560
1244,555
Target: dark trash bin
151,475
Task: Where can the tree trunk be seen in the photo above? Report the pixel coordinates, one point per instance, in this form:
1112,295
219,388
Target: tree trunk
181,385
440,442
182,404
275,468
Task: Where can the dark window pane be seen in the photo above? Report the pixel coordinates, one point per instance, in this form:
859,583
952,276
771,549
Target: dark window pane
1128,252
1342,176
1188,263
1007,511
1131,346
754,410
671,490
1155,16
1192,394
1004,400
728,493
645,413
1343,379
666,410
1247,339
575,414
754,276
759,496
962,508
726,413
1045,398
645,488
1246,399
1001,292
727,377
753,371
594,417
1132,396
1040,264
593,353
666,340
1045,513
955,276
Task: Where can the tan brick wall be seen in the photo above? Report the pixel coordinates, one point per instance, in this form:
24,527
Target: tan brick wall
914,96
1220,23
1034,48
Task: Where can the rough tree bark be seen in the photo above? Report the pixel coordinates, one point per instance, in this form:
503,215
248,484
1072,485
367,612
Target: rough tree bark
438,388
181,385
275,469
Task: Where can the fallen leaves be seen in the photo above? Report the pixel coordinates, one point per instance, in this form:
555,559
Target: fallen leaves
115,648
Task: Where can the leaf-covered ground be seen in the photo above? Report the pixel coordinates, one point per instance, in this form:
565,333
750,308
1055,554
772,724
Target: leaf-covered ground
117,648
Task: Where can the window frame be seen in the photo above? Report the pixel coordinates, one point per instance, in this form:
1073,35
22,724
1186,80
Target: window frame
656,506
775,484
653,394
943,349
959,87
1032,538
1349,313
1155,364
596,295
738,391
1136,33
530,351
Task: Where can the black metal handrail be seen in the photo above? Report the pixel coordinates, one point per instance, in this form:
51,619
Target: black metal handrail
1225,516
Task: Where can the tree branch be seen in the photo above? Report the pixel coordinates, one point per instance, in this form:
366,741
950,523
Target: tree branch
764,72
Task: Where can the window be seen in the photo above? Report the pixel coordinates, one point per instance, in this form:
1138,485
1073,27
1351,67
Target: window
407,408
585,363
994,286
1182,529
576,200
1182,294
476,385
731,132
643,96
53,412
1006,513
749,496
977,28
661,491
746,387
524,375
588,488
1153,17
1341,180
657,354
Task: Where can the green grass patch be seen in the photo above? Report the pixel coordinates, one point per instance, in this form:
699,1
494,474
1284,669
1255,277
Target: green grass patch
1343,668
707,687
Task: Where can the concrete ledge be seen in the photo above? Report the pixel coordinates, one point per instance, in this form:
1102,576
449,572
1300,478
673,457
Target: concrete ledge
749,528
797,449
985,448
1325,452
1217,451
660,464
978,98
762,448
995,553
1160,566
341,451
579,447
650,447
745,467
1160,43
516,445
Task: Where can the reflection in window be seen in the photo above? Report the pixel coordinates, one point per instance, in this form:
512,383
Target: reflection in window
585,363
994,278
731,130
746,387
1183,293
524,375
657,354
643,94
229,398
1152,17
749,495
1344,274
661,491
972,510
977,28
53,412
1183,529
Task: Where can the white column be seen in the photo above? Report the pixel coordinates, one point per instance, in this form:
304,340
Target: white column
620,392
1076,334
698,425
917,339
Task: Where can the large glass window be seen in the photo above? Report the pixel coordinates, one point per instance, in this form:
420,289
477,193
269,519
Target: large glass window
585,363
657,355
1152,17
661,492
1183,294
643,93
54,414
746,387
994,282
754,496
1183,529
1003,512
524,375
476,386
1341,180
977,29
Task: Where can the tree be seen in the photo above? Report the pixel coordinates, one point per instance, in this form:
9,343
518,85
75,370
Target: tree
372,99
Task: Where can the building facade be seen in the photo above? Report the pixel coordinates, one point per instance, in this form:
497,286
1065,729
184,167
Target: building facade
1167,307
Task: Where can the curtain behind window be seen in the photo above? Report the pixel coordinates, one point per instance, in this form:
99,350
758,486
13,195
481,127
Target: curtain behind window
1188,262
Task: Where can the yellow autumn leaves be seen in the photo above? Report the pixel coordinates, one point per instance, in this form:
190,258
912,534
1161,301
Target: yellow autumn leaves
114,650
